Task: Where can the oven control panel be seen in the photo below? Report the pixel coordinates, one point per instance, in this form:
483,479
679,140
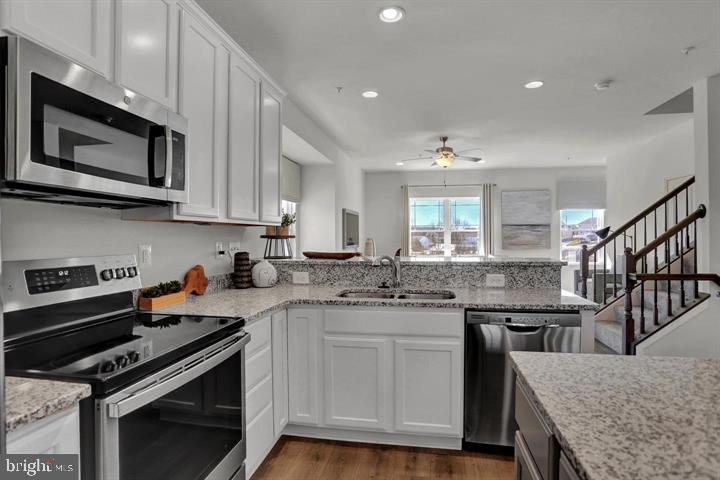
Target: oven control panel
37,283
64,278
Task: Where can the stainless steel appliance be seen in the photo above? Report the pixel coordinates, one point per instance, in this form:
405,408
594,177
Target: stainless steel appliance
74,137
489,377
168,391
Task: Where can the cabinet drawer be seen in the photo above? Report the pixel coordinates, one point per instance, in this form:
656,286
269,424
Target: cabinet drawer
260,333
537,435
258,398
258,367
437,323
525,468
567,472
260,439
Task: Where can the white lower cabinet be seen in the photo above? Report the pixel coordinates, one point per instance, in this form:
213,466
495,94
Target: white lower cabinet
58,433
304,365
394,371
357,382
428,386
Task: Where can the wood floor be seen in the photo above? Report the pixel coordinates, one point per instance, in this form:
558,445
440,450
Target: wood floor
295,458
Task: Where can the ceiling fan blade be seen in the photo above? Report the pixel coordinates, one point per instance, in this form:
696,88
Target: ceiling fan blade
466,150
415,159
469,159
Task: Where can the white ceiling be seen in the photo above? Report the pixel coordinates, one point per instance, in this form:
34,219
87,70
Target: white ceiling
457,67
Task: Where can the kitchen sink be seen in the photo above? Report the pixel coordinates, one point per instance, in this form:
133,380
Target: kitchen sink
444,295
352,294
411,295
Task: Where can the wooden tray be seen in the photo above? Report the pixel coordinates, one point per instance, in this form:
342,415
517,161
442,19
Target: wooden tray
332,255
162,302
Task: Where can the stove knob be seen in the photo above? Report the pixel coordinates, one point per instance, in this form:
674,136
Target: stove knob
107,367
132,272
133,356
119,273
107,274
121,361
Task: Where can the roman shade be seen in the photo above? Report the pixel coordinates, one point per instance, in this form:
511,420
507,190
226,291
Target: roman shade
582,193
290,180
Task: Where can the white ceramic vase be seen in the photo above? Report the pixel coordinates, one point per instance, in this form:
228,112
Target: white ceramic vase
264,274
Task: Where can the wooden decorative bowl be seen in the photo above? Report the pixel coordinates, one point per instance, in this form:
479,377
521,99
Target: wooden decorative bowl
332,255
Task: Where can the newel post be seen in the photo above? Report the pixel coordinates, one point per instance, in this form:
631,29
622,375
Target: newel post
628,331
584,270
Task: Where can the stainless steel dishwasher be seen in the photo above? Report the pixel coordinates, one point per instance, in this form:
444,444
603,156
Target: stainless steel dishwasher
489,377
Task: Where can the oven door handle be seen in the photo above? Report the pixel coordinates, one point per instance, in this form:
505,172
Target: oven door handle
174,377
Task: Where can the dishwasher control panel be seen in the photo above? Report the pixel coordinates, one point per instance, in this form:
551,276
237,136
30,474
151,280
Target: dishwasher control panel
529,318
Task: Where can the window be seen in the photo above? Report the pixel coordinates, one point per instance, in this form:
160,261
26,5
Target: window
445,226
291,208
577,227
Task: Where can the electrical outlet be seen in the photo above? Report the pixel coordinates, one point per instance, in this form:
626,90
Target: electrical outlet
301,278
495,280
219,250
145,255
234,247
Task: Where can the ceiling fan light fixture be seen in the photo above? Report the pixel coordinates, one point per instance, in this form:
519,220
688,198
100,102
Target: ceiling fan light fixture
445,161
391,14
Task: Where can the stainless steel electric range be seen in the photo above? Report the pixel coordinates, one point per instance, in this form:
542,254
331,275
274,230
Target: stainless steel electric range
168,391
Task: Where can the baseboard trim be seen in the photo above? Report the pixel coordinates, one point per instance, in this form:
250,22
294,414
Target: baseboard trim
447,443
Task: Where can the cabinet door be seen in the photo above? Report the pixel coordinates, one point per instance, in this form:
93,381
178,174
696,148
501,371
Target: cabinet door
59,433
77,29
428,387
304,363
244,143
270,153
200,95
357,382
146,59
280,370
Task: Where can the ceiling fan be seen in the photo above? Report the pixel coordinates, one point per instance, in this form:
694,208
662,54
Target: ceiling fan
445,156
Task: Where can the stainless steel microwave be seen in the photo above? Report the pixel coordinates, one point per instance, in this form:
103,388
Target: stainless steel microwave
71,136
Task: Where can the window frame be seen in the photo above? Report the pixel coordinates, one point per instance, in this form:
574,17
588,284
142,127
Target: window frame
447,227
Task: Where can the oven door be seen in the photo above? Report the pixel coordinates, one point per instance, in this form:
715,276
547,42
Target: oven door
74,130
185,422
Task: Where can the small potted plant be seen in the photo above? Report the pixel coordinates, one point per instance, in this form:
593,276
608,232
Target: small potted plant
287,220
162,295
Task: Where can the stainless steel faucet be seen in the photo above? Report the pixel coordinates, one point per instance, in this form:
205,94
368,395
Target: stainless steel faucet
395,264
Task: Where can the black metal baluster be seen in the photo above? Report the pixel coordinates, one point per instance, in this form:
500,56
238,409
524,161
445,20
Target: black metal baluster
604,275
614,262
676,222
682,270
642,306
669,286
656,318
687,214
695,260
594,279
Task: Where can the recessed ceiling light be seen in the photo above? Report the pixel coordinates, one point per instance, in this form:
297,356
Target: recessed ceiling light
391,14
534,84
370,94
399,164
604,85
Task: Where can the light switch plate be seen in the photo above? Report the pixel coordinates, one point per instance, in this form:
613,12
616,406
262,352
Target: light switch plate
302,278
495,280
145,255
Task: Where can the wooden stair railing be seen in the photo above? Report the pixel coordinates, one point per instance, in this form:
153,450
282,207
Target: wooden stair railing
677,234
630,229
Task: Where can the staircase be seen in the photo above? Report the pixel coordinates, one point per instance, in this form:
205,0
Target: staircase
654,280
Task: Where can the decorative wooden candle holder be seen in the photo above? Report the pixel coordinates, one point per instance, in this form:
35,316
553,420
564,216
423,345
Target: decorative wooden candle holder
164,301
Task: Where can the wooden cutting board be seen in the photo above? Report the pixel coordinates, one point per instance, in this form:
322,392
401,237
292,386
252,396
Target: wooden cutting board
332,255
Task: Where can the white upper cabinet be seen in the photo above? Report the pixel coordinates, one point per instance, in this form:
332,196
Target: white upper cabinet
146,53
202,100
78,29
270,153
244,143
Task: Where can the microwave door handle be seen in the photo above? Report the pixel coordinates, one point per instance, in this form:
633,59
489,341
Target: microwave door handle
168,157
173,378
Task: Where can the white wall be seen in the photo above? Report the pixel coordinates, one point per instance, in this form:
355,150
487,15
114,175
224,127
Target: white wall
316,223
35,230
383,204
636,177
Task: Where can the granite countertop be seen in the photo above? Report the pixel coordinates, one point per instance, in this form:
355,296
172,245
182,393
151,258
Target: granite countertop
28,400
429,260
629,417
254,303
